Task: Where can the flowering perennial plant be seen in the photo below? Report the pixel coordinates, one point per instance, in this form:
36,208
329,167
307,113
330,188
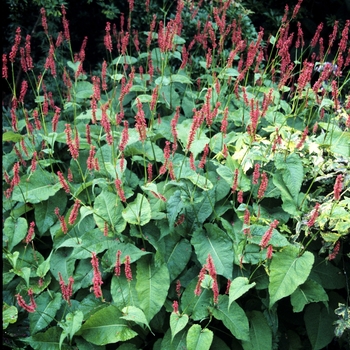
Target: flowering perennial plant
215,168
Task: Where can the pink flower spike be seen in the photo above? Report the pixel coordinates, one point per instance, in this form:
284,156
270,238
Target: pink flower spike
128,272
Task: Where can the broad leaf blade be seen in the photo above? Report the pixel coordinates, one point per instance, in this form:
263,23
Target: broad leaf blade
152,286
308,292
288,270
106,327
198,338
177,323
260,333
138,212
233,317
238,287
216,243
319,325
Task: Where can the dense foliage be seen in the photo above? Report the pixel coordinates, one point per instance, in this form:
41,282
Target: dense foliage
191,192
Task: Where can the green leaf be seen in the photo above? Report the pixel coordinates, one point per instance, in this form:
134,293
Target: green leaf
124,59
133,313
48,340
71,325
179,78
177,323
198,338
289,203
201,182
259,331
108,209
9,315
84,89
152,284
339,142
196,306
288,270
238,287
44,267
36,187
44,212
47,306
257,232
177,255
106,326
319,325
138,212
328,275
174,206
215,242
308,292
15,230
233,317
292,172
10,136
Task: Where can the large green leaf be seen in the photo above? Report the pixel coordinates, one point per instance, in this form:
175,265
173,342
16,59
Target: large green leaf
47,306
108,209
71,325
319,325
48,340
215,242
233,317
198,338
308,292
177,255
106,326
152,284
238,287
134,314
289,203
45,215
339,141
292,171
36,187
257,232
15,230
196,306
288,270
138,212
174,206
259,331
177,323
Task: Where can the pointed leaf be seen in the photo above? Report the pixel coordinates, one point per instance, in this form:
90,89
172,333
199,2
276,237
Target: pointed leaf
177,255
36,187
71,325
133,313
138,212
308,292
48,340
106,327
152,286
196,306
233,317
108,209
47,306
177,323
288,270
215,242
260,333
238,287
319,325
292,172
174,206
15,230
198,338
